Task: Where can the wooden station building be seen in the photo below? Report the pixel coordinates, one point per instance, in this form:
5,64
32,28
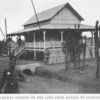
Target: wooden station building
50,31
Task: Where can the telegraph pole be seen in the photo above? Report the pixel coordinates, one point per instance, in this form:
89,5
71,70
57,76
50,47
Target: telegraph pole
35,14
2,33
97,50
6,28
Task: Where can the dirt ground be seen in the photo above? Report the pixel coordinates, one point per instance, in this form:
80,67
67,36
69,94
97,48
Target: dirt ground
76,81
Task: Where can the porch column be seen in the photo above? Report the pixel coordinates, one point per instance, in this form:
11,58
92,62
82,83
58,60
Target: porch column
62,36
34,45
44,39
92,38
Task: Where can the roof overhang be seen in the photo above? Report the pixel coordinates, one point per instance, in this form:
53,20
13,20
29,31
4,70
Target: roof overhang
83,28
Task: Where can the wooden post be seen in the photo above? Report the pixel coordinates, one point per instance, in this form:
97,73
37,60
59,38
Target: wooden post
62,36
99,30
2,33
97,50
84,51
6,28
34,46
92,38
44,39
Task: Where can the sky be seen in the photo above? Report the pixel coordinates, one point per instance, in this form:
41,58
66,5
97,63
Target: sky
17,12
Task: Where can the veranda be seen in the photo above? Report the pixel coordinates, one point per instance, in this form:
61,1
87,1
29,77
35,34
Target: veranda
54,25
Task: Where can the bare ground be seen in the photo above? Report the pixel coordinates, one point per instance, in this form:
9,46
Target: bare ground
73,81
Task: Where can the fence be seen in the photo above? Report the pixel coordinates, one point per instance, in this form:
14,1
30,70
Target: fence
55,48
57,56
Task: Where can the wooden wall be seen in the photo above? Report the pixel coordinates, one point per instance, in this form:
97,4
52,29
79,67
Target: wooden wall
65,16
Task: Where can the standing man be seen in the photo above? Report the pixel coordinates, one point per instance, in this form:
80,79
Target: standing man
65,49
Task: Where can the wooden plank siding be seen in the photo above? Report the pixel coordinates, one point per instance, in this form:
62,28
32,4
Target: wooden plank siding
65,16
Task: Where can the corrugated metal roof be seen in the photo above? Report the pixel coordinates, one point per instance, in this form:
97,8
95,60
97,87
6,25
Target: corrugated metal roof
48,14
56,26
66,26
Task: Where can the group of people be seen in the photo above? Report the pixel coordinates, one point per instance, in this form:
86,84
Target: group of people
72,48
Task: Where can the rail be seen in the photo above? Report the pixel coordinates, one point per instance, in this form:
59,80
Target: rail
17,49
39,45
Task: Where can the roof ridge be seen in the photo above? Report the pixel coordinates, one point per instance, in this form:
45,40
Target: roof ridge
49,13
47,10
52,7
